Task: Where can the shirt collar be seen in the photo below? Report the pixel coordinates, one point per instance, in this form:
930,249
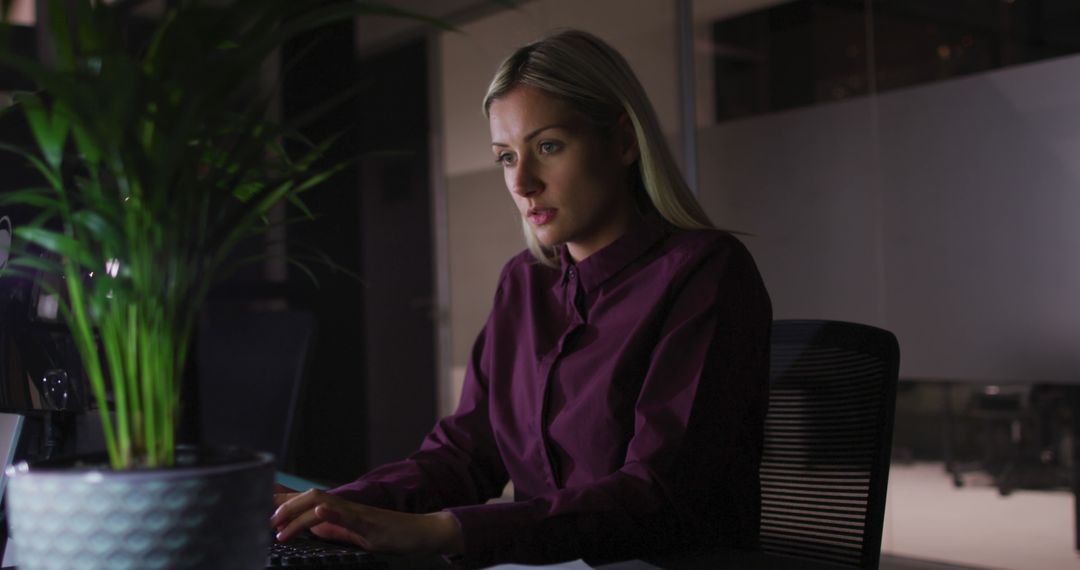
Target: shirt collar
602,265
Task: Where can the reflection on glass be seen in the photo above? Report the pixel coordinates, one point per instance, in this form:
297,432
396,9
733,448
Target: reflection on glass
801,53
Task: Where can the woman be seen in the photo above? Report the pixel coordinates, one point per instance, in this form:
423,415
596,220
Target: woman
620,382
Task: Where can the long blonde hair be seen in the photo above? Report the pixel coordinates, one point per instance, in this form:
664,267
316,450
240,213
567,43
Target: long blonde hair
593,78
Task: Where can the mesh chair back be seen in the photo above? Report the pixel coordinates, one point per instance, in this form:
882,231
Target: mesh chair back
828,433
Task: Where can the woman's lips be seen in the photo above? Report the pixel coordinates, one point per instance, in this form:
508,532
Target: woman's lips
541,216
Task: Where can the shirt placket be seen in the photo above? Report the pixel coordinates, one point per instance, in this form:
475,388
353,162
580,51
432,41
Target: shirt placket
573,296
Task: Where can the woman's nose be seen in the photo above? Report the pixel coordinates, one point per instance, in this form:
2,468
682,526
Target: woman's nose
524,181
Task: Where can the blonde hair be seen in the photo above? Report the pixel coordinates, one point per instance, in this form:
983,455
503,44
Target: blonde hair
593,78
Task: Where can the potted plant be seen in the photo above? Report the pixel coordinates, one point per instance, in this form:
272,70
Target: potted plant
156,160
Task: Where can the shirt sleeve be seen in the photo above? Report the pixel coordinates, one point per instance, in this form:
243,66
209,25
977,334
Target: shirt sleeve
690,478
457,464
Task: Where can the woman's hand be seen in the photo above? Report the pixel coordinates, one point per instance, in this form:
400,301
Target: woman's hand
376,530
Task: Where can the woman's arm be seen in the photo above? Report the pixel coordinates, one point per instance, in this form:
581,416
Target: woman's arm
398,507
457,464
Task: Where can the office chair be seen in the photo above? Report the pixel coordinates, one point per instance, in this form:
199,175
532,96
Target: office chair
828,436
251,370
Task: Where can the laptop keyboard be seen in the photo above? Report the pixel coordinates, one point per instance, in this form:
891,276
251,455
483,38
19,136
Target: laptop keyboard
309,553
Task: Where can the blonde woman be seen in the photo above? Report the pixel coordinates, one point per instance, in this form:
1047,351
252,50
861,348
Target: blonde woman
621,379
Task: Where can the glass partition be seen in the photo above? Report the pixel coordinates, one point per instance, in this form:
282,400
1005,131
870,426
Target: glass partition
915,165
904,163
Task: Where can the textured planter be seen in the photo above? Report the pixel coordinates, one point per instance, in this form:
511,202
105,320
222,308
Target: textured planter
210,511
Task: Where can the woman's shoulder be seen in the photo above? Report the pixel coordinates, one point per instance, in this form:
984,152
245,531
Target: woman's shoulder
716,259
695,246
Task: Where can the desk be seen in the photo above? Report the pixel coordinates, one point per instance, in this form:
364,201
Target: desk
714,560
728,558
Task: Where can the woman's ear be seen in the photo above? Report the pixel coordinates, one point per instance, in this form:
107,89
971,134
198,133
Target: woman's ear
627,139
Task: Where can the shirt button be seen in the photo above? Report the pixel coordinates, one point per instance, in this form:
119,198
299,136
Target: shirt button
572,273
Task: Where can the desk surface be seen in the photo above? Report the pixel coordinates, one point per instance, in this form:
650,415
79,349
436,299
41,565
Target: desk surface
715,560
728,558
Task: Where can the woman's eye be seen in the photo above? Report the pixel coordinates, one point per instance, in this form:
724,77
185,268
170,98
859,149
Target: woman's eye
548,147
504,158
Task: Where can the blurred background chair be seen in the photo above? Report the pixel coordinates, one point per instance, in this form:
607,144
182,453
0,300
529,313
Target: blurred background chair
1017,434
828,435
251,375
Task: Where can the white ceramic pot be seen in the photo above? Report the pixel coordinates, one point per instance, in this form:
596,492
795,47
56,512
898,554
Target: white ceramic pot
209,512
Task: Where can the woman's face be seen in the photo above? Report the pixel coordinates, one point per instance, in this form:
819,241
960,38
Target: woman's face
568,180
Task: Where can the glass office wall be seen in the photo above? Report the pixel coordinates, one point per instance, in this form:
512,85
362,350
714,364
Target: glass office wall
909,164
915,164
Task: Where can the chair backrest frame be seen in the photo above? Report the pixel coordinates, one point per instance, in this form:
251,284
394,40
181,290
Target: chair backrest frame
828,378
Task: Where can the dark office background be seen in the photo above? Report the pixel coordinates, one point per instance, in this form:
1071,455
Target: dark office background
372,376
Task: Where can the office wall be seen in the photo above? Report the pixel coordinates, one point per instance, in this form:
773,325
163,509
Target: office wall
946,213
485,232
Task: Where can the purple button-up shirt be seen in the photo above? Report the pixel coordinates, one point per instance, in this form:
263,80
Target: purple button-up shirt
625,398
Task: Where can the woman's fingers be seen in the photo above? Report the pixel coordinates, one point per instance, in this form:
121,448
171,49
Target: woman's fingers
378,530
297,512
297,525
288,507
